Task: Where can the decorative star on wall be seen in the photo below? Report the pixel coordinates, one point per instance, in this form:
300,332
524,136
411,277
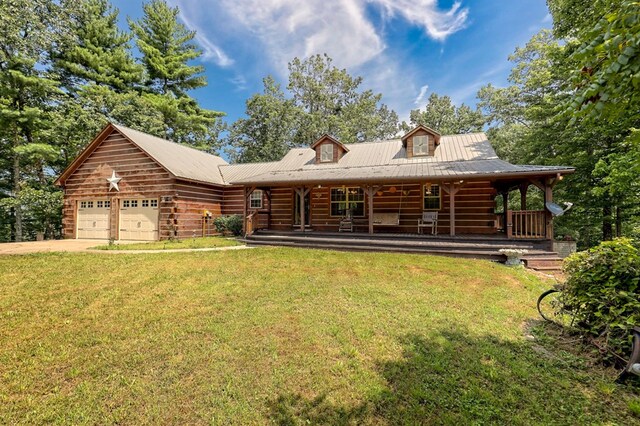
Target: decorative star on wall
113,181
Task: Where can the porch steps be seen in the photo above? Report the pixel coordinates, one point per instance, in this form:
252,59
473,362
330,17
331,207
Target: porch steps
472,247
544,263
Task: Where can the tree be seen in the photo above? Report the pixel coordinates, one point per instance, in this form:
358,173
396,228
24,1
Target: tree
324,99
608,80
529,123
166,47
99,77
441,115
28,30
331,103
270,128
98,52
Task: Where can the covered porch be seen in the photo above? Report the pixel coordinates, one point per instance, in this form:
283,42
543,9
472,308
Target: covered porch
462,209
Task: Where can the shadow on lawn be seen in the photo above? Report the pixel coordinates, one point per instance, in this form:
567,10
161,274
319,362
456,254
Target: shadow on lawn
453,378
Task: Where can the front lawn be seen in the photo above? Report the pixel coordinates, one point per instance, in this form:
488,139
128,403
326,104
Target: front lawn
189,243
285,336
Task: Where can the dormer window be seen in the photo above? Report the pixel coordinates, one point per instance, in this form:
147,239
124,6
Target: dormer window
326,153
329,149
420,145
421,142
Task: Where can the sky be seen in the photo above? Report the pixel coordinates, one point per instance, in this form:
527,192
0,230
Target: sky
404,49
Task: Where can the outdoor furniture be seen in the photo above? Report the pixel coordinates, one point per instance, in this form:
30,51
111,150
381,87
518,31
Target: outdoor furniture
386,219
429,220
346,222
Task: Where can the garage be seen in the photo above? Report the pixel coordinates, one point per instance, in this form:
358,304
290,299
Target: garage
93,219
139,219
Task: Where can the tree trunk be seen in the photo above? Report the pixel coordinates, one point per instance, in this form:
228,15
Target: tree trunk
607,228
618,221
16,192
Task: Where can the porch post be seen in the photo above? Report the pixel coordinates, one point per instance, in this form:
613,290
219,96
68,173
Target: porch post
301,192
548,197
523,196
452,210
505,207
370,191
268,192
303,219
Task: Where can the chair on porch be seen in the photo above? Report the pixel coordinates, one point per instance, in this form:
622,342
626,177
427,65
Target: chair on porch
429,219
346,222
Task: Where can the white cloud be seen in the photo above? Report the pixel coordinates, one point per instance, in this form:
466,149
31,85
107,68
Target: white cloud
436,23
290,28
239,82
273,32
422,95
210,51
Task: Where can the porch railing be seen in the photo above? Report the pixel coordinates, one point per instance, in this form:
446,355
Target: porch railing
251,223
526,224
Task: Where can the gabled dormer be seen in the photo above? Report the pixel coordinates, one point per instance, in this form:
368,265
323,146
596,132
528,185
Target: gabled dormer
328,149
421,142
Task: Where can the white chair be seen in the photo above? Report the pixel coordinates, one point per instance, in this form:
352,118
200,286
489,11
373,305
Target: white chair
429,219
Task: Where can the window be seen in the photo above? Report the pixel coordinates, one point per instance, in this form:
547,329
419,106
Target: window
421,145
107,204
145,203
432,199
326,153
134,203
83,204
154,203
99,204
126,204
343,199
89,204
255,202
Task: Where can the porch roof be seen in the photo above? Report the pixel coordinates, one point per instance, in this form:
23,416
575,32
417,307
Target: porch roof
493,168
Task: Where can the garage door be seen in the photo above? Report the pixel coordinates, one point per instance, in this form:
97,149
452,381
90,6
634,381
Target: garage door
93,219
139,219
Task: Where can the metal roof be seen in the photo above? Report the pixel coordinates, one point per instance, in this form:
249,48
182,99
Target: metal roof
457,156
180,160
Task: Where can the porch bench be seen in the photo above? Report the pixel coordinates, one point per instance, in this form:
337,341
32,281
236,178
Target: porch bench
386,219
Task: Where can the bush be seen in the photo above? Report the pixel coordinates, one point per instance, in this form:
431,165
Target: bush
228,224
603,286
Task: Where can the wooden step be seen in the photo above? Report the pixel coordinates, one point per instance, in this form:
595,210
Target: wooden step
473,247
470,254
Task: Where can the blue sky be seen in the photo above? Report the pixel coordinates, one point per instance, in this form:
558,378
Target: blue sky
404,49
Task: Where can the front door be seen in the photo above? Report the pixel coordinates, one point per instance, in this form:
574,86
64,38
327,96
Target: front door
296,209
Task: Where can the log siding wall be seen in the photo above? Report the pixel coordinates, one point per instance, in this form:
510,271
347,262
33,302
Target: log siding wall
475,203
181,203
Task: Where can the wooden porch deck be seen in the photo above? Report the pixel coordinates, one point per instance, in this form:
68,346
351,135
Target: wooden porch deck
468,246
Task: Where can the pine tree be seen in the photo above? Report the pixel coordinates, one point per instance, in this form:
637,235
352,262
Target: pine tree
100,78
98,52
28,29
167,48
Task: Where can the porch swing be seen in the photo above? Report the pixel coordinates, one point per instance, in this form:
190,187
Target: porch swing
389,219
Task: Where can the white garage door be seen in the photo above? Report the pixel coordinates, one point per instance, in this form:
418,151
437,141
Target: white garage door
139,219
93,219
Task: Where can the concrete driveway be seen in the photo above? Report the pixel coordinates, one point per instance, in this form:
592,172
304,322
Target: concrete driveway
49,246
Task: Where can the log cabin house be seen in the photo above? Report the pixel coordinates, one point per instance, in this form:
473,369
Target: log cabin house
133,186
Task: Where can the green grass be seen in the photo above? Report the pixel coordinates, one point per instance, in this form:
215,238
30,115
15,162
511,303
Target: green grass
286,336
191,243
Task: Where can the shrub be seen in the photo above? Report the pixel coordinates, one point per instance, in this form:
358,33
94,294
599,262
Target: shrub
228,224
603,285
